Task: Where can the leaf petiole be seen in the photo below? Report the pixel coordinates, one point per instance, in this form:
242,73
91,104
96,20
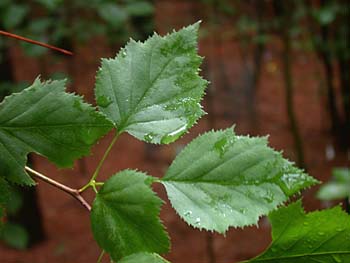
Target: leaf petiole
92,183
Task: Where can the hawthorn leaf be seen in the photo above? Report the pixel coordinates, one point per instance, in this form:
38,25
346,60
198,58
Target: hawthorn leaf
143,258
221,180
46,120
125,216
152,90
321,236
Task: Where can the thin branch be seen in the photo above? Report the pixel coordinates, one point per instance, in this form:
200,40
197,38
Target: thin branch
36,42
71,191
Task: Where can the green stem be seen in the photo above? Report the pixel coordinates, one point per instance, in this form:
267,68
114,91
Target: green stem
99,260
92,183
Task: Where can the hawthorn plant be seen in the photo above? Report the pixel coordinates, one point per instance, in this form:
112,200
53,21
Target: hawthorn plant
152,91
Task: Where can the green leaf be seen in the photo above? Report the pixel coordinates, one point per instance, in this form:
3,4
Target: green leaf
113,14
139,8
338,187
14,15
341,174
152,90
322,236
14,235
143,258
46,120
125,216
333,191
221,180
51,4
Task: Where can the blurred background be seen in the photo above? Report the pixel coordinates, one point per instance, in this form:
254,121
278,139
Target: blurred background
277,68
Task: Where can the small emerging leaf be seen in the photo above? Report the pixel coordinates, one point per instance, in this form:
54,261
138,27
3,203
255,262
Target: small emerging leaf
152,90
46,120
143,258
322,236
221,180
125,216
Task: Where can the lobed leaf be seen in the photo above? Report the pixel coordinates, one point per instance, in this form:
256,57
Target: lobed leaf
143,258
322,236
221,180
125,216
152,90
46,120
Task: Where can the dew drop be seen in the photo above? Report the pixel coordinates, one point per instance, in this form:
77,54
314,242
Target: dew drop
123,53
222,145
291,182
243,210
103,101
269,197
149,137
198,221
188,213
172,136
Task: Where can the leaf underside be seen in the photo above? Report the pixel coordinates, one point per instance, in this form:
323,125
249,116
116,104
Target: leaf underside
322,236
221,180
125,216
152,90
46,120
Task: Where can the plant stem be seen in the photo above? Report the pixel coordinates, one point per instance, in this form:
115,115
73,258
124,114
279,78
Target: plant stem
92,182
35,42
99,260
71,191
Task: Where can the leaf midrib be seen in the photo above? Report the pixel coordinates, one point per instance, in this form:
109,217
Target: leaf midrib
219,165
225,183
124,124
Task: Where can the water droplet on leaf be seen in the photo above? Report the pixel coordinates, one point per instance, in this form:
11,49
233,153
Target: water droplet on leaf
172,136
103,101
188,213
222,145
149,137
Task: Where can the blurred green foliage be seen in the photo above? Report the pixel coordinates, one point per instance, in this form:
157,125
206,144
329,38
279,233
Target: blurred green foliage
63,23
338,187
60,22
